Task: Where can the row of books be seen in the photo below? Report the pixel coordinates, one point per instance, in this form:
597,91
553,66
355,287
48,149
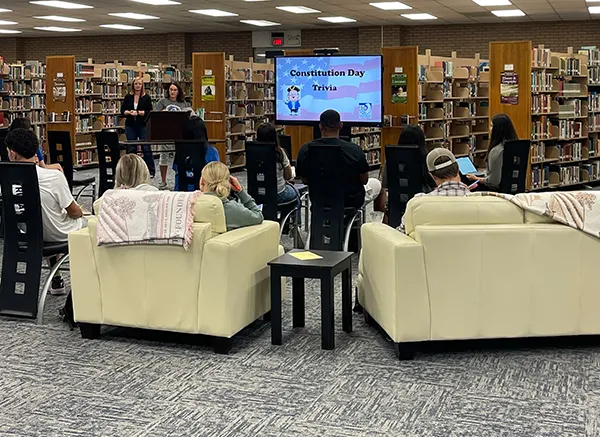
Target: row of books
594,75
569,66
113,91
84,70
538,152
15,88
594,123
541,81
570,129
367,142
592,169
570,174
38,86
86,87
374,157
38,116
541,103
572,108
235,91
540,176
570,152
541,57
85,157
593,146
594,101
37,101
86,104
568,88
593,55
541,129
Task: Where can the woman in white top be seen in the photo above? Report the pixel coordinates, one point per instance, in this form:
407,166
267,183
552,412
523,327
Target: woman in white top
132,173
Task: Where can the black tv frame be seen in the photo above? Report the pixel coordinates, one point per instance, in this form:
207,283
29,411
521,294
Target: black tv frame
316,122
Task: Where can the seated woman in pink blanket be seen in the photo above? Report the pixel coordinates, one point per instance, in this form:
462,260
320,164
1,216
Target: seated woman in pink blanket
240,212
132,173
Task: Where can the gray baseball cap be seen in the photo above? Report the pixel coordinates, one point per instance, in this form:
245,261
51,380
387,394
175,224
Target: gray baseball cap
437,153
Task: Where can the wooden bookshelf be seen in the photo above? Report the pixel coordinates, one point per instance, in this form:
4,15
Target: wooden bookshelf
60,112
591,170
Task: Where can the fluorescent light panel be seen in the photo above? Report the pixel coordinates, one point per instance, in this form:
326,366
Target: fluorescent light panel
493,2
594,9
133,16
390,6
157,2
338,19
7,23
60,18
5,10
419,16
214,13
509,13
9,31
261,23
298,9
60,4
57,29
121,26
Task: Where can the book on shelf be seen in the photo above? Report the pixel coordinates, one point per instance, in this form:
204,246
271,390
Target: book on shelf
540,176
541,57
570,152
570,129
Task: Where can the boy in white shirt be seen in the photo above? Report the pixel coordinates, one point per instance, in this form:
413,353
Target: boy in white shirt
60,212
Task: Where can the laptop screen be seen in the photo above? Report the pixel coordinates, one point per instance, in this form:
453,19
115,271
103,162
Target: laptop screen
465,165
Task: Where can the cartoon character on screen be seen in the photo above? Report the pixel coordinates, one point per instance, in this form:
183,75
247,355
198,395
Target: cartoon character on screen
293,99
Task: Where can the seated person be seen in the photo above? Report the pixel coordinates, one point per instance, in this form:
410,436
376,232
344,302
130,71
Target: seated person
132,173
217,181
266,133
502,130
60,213
195,129
25,123
443,169
359,189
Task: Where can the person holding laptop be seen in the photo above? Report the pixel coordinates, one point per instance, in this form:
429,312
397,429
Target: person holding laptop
443,168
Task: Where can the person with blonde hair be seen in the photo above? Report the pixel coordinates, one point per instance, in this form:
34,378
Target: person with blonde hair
132,173
217,181
136,107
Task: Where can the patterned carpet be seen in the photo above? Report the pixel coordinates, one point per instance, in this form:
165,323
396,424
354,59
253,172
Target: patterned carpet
53,383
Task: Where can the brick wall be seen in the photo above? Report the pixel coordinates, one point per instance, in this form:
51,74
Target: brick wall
346,39
238,44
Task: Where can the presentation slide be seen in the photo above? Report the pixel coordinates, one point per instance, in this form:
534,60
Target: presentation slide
307,86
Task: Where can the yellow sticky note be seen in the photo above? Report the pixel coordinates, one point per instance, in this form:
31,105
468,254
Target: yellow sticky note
305,256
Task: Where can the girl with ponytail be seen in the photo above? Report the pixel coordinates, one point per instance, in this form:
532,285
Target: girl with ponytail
217,181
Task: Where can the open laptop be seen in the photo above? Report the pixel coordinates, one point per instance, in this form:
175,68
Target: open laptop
466,166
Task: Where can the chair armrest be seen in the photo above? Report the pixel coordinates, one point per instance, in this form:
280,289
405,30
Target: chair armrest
85,284
234,285
394,284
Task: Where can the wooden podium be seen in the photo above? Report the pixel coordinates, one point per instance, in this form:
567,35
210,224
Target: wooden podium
166,125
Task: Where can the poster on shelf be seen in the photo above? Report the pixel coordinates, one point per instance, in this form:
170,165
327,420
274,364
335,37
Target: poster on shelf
399,88
209,89
509,88
59,88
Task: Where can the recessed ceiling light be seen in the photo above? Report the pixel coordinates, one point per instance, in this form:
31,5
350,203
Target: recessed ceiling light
9,31
261,23
60,4
57,29
5,10
133,16
390,6
60,18
509,13
121,26
214,13
298,9
256,0
420,16
493,2
338,19
157,2
594,9
7,23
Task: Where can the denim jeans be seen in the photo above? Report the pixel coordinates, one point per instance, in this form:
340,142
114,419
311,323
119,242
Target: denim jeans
139,133
289,194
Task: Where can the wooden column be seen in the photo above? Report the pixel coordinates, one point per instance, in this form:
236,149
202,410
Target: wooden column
211,64
61,67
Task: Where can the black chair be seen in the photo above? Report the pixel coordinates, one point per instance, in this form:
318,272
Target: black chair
514,167
24,247
329,218
190,158
285,141
109,152
59,146
404,179
261,167
3,149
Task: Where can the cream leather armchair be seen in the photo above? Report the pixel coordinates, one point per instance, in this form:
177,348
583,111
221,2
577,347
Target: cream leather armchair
477,268
217,287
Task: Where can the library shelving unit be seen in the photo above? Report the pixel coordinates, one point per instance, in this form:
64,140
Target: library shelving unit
369,140
593,54
60,108
244,98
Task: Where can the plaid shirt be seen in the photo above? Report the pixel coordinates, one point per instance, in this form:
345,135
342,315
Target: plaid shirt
452,188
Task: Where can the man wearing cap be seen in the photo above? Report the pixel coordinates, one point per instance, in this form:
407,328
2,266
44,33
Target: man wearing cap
359,189
443,168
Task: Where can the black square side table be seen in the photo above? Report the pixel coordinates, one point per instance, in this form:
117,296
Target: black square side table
325,269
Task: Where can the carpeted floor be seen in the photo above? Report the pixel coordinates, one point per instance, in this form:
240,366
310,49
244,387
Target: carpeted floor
53,383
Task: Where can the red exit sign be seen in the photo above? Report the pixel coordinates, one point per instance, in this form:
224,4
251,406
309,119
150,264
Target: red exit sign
277,41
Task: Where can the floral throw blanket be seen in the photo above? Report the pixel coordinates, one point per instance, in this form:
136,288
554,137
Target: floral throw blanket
130,217
577,209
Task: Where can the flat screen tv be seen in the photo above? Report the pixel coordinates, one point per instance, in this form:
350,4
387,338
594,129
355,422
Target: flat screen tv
305,86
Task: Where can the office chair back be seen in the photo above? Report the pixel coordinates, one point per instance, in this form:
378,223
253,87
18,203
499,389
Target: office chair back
514,167
3,149
285,141
404,179
23,240
261,166
59,146
109,152
326,191
190,158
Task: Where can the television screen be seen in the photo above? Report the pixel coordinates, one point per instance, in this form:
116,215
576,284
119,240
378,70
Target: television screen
308,85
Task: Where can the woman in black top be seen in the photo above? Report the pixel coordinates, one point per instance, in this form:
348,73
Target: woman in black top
136,107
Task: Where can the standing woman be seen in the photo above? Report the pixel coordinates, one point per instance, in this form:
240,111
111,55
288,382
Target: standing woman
174,101
502,131
136,107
